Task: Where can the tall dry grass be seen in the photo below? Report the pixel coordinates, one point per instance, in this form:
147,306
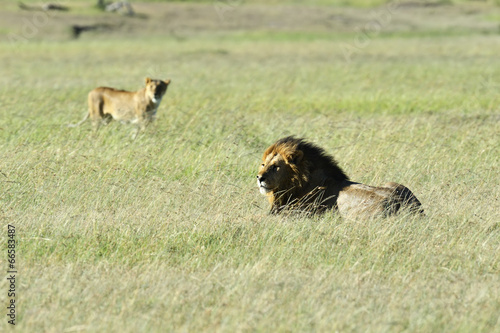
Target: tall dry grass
169,233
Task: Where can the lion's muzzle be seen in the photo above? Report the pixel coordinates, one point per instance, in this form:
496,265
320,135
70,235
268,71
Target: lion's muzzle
263,186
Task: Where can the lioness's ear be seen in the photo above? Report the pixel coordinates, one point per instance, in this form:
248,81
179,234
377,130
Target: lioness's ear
297,157
148,80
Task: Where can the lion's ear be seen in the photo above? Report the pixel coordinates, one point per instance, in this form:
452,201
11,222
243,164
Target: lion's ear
167,81
148,80
297,157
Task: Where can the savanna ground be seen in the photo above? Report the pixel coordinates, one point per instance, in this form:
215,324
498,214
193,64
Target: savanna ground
169,233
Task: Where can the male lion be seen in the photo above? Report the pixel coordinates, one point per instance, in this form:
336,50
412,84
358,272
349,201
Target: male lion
137,107
298,176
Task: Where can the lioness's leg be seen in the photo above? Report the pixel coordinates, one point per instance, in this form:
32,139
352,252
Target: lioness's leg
107,119
142,121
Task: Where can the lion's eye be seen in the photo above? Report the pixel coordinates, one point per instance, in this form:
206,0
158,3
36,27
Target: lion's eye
276,168
262,165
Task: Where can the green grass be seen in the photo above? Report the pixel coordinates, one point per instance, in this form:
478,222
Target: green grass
169,233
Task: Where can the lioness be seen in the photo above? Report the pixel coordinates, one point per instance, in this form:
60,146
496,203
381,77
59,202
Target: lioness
138,107
297,175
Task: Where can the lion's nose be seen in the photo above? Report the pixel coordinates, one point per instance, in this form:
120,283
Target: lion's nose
260,178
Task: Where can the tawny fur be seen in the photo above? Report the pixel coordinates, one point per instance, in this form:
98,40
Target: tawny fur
137,107
298,176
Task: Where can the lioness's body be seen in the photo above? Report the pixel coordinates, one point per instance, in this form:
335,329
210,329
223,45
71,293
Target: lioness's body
137,107
299,176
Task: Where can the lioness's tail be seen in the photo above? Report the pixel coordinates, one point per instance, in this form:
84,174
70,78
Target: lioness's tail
81,122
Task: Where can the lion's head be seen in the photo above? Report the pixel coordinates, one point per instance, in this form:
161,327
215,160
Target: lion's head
290,168
155,89
279,172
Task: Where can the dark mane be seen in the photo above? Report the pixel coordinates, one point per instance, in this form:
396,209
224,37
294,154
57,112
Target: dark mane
315,157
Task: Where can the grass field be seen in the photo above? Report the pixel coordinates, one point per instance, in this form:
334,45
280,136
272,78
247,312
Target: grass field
169,233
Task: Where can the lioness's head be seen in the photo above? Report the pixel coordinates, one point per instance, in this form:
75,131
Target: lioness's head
155,89
281,169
